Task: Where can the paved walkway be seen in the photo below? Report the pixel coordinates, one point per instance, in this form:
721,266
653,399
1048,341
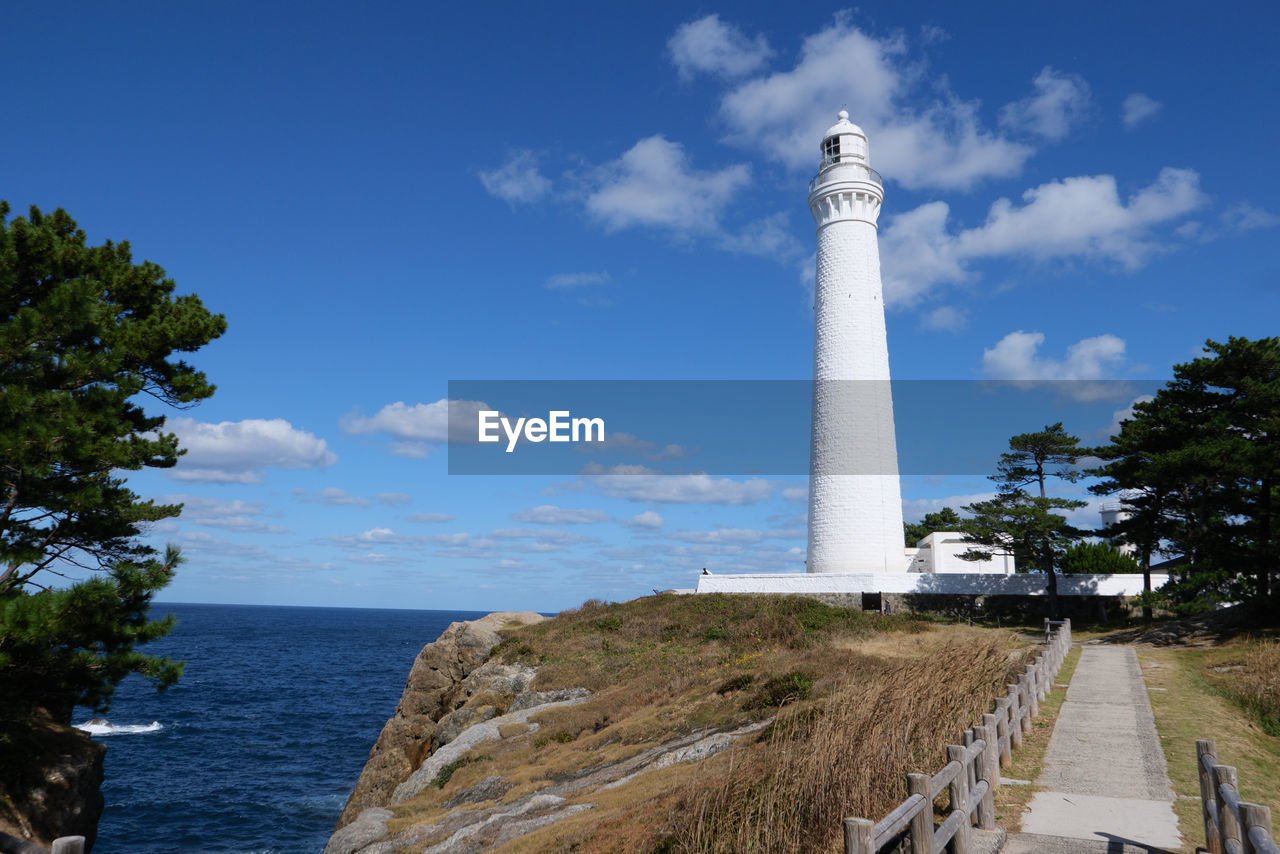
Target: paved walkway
1104,775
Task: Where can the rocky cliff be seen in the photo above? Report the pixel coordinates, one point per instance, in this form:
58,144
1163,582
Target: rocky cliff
430,711
50,783
671,723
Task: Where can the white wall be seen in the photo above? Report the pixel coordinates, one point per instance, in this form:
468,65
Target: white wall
950,583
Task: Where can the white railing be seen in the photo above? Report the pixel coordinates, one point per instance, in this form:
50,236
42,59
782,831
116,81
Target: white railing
972,772
843,161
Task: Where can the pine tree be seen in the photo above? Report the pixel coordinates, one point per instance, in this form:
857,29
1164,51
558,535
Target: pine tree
945,519
86,336
1200,469
1022,522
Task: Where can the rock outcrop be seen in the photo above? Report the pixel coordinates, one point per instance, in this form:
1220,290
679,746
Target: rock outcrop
485,822
55,788
446,675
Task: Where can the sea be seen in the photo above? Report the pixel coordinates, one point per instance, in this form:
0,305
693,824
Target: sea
258,745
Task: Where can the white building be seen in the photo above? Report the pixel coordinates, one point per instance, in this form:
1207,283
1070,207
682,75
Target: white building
855,500
940,552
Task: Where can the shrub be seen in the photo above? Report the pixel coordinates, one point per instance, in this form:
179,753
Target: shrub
781,689
737,683
446,772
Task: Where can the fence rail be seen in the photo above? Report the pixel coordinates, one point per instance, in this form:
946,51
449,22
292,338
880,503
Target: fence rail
1231,825
972,772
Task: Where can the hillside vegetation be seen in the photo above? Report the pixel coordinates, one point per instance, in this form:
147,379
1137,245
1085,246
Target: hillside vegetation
823,710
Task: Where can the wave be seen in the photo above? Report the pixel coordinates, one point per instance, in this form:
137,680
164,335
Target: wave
101,726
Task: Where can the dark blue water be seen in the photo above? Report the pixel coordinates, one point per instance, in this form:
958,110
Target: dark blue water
265,734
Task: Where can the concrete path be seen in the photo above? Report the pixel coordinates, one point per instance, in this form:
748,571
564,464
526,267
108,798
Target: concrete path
1104,775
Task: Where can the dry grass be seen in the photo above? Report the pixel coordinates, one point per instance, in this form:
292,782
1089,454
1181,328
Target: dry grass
1251,677
859,700
846,754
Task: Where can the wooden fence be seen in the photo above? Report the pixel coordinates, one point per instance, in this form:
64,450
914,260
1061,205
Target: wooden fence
1231,826
972,772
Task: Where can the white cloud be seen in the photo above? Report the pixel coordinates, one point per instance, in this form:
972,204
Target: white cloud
1124,414
1243,216
1058,102
914,509
235,515
565,281
517,180
418,427
648,521
637,483
202,544
711,46
629,443
1016,357
542,535
431,518
940,144
237,451
654,185
945,318
796,493
736,536
1137,108
549,514
1082,216
378,537
459,539
770,237
335,497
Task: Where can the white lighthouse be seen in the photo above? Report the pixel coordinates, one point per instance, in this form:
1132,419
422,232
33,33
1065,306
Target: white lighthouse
855,501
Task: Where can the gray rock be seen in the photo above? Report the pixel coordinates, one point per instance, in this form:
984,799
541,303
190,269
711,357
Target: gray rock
452,724
541,698
467,739
489,789
368,828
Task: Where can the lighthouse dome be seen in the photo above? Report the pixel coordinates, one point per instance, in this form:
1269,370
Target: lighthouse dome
844,142
843,126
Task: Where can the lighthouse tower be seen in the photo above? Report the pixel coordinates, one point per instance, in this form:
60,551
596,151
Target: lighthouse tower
855,502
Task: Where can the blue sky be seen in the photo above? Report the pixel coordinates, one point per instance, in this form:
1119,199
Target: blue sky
383,198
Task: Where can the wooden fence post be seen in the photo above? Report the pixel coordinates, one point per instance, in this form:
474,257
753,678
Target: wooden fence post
1025,709
1228,821
992,753
67,845
1033,692
967,738
1002,731
922,823
857,836
1015,716
1208,795
986,806
1254,816
958,792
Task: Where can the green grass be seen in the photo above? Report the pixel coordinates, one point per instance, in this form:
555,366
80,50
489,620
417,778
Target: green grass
446,773
1189,703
